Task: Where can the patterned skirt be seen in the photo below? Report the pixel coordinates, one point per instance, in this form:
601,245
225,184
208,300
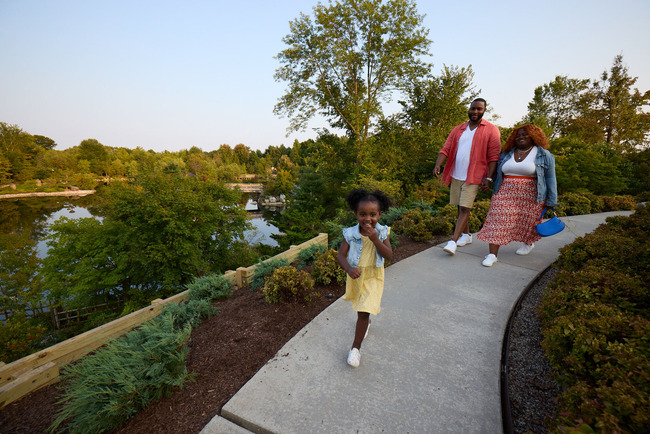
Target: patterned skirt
513,213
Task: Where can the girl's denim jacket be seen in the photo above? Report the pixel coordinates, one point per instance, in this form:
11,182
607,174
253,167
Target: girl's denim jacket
353,237
546,181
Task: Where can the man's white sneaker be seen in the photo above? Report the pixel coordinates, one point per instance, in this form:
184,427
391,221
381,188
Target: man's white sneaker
450,247
464,240
525,249
489,260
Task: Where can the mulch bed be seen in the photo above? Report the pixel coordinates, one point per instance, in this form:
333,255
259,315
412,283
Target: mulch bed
226,350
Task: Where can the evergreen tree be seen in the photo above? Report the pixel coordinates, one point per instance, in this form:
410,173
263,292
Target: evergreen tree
618,108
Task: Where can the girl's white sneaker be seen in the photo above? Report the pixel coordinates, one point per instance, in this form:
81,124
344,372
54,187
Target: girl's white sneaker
354,357
489,260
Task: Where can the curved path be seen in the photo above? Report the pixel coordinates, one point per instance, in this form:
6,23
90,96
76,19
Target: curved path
430,364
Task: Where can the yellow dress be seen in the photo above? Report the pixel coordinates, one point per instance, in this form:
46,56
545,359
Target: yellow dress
365,291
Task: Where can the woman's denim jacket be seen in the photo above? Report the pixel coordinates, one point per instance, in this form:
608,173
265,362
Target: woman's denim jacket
546,181
353,237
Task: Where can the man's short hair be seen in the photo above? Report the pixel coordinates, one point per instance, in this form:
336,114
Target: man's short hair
480,100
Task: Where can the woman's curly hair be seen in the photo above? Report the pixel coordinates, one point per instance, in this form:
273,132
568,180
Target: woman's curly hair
536,134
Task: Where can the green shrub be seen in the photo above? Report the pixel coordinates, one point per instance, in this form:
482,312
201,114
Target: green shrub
572,204
308,256
617,203
111,385
288,284
326,269
393,238
596,322
643,196
212,287
19,337
432,191
389,217
417,224
190,312
595,202
478,214
334,234
264,269
241,254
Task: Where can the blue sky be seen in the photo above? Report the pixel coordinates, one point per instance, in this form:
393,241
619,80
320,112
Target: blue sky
169,75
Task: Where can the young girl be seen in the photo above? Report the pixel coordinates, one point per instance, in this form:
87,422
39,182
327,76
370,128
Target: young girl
362,254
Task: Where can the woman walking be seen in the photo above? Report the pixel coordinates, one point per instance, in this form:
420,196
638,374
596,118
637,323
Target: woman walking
524,184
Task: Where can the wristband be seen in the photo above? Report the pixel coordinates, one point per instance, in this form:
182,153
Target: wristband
488,178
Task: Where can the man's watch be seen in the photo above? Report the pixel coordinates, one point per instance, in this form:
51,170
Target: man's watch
488,178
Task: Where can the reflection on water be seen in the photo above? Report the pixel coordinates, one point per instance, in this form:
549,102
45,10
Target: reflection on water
69,211
262,230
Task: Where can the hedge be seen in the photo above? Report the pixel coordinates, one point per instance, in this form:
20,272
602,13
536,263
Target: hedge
596,328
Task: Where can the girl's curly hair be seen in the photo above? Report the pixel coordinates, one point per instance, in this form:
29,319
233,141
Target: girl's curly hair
358,195
536,134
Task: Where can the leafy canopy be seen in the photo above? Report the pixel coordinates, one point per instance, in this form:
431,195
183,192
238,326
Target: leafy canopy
347,59
157,234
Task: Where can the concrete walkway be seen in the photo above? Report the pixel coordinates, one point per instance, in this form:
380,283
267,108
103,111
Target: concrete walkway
430,364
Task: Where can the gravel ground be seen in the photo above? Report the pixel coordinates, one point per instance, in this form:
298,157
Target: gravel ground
532,390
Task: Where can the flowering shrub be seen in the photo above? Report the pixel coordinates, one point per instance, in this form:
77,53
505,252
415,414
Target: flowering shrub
327,270
288,284
596,323
18,337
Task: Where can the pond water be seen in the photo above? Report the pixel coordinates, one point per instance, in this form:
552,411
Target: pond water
38,214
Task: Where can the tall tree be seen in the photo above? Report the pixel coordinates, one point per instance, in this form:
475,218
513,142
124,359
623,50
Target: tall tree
44,142
348,59
619,108
95,153
557,103
435,104
19,149
20,285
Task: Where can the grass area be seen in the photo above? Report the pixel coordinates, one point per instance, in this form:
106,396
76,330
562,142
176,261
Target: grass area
31,186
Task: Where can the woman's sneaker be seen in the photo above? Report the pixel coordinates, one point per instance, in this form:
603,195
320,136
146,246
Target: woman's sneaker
464,240
525,249
354,357
489,260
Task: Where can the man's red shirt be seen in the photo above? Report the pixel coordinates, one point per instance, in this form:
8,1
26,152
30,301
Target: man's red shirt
486,147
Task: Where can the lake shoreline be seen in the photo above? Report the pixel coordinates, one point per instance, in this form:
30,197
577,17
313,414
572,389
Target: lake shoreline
73,193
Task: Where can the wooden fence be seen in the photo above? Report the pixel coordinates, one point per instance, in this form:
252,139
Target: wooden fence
23,376
62,317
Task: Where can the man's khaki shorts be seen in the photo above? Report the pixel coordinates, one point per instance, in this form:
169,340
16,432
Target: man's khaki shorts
462,194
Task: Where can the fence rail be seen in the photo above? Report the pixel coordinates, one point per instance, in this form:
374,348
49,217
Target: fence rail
32,372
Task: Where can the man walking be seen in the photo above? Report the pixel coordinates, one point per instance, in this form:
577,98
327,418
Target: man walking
471,151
